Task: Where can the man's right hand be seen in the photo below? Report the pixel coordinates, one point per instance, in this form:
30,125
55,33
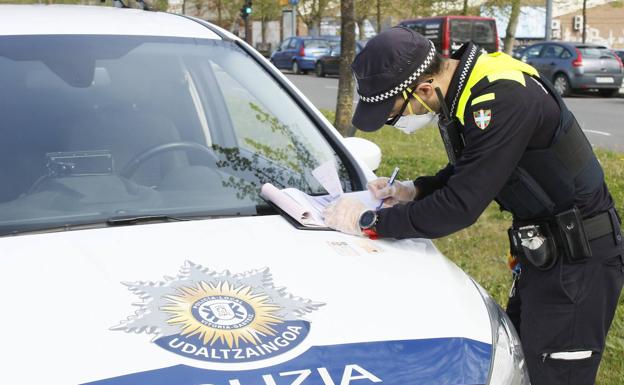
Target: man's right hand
397,193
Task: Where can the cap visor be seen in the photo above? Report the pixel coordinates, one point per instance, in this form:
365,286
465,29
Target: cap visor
372,116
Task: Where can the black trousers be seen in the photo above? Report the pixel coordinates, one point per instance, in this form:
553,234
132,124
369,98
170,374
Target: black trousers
568,308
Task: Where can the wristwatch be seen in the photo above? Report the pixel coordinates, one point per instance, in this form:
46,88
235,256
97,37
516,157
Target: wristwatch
367,222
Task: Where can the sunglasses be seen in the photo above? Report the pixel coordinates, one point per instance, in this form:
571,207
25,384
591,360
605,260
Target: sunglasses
394,119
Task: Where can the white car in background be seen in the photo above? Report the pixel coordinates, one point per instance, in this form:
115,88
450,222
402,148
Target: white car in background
135,248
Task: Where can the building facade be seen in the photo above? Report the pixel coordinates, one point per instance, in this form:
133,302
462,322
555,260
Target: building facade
605,25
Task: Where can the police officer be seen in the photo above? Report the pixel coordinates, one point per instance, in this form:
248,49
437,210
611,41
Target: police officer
510,138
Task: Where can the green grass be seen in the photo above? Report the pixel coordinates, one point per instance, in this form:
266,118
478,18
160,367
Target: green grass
481,250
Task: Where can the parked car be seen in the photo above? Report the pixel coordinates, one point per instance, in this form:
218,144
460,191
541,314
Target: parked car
576,66
136,248
299,54
448,33
329,64
517,50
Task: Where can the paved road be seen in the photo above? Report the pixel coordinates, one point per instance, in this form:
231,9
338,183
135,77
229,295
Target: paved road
602,119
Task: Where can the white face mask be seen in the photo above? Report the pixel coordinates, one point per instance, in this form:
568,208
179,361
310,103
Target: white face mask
410,123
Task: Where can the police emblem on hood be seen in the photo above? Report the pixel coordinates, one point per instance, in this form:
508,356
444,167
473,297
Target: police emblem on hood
220,317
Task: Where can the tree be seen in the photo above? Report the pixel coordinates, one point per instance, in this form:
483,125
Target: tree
510,33
344,104
411,9
265,11
363,9
312,11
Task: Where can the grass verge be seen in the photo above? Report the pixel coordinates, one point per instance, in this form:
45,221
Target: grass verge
481,250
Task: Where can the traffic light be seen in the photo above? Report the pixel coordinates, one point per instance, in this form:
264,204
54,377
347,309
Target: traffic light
246,9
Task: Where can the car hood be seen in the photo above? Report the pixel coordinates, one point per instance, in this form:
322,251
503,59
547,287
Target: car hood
236,301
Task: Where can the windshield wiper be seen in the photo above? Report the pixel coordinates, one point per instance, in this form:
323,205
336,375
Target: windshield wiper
124,220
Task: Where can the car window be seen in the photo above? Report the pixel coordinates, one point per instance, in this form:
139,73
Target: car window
595,52
314,43
285,43
483,31
292,44
552,51
415,25
461,30
335,49
566,54
432,30
144,125
532,52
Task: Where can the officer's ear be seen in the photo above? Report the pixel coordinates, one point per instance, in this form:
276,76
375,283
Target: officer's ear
425,89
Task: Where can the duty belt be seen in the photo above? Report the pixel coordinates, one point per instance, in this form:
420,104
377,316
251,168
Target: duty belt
543,242
603,224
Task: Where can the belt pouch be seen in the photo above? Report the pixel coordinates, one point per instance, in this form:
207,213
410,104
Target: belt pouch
573,236
535,244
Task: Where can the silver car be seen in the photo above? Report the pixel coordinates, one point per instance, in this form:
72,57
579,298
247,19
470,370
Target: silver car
577,66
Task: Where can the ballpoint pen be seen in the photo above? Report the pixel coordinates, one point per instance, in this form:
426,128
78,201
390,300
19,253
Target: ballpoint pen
390,183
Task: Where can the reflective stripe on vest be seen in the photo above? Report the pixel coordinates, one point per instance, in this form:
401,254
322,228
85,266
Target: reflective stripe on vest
494,66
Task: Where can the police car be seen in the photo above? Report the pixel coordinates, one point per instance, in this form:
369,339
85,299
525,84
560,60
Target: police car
137,250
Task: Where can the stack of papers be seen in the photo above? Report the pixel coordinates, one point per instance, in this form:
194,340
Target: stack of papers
307,209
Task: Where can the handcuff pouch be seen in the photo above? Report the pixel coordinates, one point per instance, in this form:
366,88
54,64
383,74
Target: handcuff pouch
534,244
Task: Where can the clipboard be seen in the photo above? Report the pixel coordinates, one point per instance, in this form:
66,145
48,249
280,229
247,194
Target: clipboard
293,221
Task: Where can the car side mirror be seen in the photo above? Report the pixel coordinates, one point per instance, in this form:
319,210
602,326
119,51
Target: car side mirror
364,151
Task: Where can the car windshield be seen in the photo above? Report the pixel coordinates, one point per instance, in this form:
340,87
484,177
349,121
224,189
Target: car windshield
95,127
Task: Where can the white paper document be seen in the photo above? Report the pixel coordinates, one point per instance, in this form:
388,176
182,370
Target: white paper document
307,209
327,176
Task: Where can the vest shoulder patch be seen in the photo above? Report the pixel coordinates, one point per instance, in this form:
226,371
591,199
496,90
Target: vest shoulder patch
483,98
514,75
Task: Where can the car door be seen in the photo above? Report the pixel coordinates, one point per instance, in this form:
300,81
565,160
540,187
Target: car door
279,58
551,60
532,56
291,51
331,61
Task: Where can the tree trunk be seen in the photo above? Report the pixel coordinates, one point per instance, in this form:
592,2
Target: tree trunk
510,33
378,16
344,104
219,16
465,10
360,24
263,27
584,21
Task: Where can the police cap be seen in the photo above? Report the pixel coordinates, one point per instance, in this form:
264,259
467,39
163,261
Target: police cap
389,63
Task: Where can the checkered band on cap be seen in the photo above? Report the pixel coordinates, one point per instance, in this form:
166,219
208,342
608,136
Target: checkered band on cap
395,91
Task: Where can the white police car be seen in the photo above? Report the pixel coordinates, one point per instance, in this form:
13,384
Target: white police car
135,248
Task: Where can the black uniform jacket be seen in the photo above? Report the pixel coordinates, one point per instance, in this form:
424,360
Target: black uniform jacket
520,117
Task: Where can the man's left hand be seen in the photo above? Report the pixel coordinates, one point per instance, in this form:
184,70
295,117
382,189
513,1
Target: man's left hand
344,215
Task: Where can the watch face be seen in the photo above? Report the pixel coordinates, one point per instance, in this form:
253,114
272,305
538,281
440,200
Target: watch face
368,218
